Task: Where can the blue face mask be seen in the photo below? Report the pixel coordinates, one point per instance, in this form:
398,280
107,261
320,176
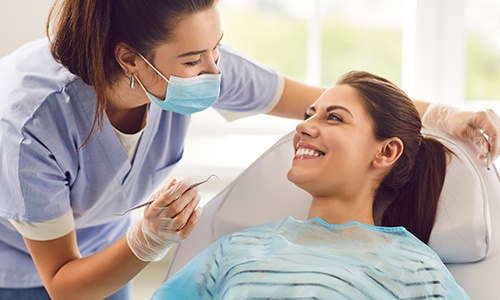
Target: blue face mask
187,95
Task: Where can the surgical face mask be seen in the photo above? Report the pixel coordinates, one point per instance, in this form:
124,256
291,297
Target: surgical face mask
187,95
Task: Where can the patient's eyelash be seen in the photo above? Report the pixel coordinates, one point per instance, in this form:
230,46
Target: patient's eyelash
307,116
333,117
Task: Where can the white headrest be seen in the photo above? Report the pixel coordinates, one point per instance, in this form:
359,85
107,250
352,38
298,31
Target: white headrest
462,233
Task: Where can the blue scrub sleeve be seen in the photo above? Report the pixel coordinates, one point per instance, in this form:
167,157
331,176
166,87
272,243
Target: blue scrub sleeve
37,186
248,87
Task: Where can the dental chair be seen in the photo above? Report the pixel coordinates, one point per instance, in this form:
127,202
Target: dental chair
465,235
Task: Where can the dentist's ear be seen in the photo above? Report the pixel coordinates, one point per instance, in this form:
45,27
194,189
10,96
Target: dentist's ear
389,152
126,58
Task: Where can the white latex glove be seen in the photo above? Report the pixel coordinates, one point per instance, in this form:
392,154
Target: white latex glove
481,128
169,219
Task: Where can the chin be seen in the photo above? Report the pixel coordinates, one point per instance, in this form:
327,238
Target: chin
297,178
290,175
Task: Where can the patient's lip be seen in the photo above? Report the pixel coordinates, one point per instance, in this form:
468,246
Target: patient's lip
308,146
300,154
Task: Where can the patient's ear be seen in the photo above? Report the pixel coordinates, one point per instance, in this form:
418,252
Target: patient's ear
389,152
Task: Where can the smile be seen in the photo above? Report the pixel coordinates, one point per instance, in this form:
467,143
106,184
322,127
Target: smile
308,152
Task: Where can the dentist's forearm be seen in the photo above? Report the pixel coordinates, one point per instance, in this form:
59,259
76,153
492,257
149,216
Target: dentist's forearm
68,276
421,106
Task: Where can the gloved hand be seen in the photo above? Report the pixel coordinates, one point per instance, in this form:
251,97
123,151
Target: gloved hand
481,128
169,219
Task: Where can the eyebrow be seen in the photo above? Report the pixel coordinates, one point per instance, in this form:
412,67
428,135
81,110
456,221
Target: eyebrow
198,52
333,107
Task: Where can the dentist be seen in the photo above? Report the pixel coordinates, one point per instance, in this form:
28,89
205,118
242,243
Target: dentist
94,118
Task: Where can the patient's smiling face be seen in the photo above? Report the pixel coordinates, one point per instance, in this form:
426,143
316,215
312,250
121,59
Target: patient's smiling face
334,146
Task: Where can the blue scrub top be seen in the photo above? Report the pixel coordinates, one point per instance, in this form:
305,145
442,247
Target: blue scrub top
46,114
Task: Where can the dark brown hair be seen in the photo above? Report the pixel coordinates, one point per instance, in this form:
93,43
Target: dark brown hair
84,34
413,186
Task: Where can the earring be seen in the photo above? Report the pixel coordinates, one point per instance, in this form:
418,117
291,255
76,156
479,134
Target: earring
132,81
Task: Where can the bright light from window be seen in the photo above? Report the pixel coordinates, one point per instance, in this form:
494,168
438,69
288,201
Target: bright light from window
483,49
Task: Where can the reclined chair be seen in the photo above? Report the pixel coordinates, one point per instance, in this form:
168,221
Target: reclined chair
465,236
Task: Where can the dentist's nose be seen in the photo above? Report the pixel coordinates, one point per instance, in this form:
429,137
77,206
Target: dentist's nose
212,66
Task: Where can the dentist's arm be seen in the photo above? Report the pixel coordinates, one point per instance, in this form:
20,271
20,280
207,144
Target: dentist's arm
67,275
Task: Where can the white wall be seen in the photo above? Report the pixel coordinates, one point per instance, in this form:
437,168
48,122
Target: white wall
22,21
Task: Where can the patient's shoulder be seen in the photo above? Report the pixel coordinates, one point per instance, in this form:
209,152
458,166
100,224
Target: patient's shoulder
253,239
260,232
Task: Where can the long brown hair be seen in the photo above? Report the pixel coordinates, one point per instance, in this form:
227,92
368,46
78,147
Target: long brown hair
413,186
84,34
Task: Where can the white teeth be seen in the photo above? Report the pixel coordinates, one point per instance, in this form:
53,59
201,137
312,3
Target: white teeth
308,152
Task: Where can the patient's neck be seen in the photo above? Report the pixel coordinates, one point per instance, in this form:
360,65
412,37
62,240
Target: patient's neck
340,211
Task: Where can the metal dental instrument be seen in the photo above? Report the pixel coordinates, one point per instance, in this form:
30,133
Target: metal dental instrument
488,160
151,201
488,155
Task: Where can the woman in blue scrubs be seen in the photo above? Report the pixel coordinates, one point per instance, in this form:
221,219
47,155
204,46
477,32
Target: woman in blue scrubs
93,119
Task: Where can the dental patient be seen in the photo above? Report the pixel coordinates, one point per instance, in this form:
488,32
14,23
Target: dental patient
375,182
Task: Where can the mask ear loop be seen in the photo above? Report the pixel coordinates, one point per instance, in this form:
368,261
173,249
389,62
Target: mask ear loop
140,83
153,67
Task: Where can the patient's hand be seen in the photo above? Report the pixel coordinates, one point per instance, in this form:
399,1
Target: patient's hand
481,128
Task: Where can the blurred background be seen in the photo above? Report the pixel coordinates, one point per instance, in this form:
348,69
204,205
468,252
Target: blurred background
436,50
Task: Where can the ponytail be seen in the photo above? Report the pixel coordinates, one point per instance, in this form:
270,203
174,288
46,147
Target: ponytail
415,206
408,194
80,41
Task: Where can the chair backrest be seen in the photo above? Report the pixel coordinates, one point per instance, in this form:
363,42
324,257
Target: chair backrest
463,230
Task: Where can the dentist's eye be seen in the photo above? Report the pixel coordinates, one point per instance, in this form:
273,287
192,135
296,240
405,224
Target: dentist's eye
192,63
335,117
307,116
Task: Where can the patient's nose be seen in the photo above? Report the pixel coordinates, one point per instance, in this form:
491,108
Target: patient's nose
306,128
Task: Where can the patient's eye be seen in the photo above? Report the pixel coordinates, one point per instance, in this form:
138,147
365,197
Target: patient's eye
334,117
307,116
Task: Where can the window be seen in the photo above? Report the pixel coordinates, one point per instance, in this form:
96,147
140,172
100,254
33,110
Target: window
449,52
317,41
483,50
446,51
